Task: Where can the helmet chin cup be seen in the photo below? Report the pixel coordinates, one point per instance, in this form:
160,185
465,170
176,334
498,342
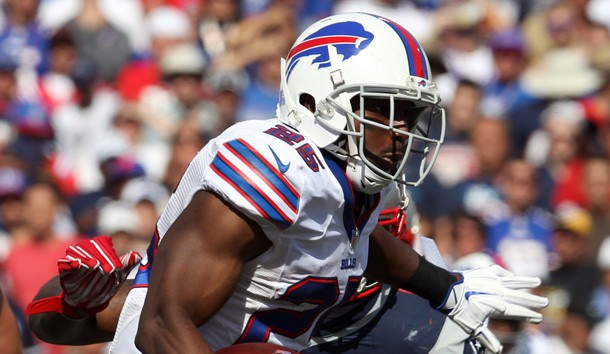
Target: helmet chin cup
362,178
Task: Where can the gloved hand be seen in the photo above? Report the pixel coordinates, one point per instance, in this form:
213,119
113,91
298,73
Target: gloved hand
491,292
91,273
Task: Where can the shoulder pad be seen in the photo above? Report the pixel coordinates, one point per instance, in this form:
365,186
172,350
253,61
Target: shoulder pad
251,173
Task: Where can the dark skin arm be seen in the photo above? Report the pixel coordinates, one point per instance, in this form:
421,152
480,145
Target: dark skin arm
394,262
195,271
56,328
9,333
391,260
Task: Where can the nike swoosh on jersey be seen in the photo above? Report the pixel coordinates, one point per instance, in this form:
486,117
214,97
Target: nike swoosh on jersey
281,166
468,294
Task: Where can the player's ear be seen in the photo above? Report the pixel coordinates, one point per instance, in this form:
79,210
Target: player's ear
308,101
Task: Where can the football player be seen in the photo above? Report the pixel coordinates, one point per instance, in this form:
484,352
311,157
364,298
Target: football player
274,222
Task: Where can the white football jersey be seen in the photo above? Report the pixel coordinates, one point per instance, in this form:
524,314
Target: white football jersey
302,200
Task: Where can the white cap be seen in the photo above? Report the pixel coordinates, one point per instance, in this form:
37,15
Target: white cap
168,22
568,111
143,189
117,216
561,72
113,144
183,59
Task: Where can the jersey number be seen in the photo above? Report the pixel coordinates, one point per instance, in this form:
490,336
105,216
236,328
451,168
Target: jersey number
319,293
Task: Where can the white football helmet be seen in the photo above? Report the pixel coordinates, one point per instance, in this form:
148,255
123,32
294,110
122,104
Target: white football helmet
338,66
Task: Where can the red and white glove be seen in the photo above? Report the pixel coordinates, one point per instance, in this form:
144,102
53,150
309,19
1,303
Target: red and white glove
91,273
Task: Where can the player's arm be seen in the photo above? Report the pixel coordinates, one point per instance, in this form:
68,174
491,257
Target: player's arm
9,332
469,298
194,272
82,304
394,262
86,328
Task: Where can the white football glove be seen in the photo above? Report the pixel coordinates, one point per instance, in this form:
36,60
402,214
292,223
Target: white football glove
491,292
91,273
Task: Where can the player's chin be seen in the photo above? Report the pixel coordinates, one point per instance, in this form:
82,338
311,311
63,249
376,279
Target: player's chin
386,163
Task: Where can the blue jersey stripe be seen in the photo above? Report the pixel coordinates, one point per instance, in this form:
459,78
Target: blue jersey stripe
255,161
250,191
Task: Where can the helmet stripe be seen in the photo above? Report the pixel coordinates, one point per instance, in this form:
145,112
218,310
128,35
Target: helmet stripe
415,53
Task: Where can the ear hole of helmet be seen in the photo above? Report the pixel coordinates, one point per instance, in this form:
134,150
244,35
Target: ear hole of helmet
308,101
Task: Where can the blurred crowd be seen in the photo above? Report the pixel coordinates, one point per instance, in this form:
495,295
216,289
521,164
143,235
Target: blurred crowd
103,103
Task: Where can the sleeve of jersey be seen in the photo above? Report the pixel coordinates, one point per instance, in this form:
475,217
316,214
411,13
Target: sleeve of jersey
246,174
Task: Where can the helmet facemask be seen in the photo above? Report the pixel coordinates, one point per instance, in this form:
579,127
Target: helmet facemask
409,128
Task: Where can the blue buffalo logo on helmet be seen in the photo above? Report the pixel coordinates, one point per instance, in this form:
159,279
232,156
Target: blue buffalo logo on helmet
349,38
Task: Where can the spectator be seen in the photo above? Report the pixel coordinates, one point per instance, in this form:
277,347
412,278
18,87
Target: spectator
597,106
166,26
42,205
148,198
601,301
187,142
125,15
517,230
560,24
469,249
575,333
8,83
576,276
13,183
478,194
57,87
81,128
457,160
120,220
257,44
116,170
22,39
254,38
517,337
227,89
596,187
129,124
98,40
505,92
182,97
259,97
217,18
461,42
556,149
35,134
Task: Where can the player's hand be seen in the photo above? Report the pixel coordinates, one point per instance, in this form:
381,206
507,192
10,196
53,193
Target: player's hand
491,292
91,273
